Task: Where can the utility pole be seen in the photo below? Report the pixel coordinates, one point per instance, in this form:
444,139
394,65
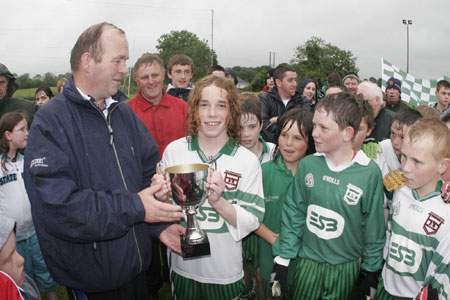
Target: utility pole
212,37
271,59
407,23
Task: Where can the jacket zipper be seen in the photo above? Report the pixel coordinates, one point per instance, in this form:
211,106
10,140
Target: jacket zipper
111,142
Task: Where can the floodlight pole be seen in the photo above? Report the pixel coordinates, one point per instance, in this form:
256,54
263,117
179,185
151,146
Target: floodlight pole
407,23
212,37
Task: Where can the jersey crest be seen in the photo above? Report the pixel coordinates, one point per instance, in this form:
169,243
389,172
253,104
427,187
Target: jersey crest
232,180
352,194
309,180
432,223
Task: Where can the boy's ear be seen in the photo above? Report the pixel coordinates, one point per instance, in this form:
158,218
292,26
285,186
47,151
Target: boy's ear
369,132
349,133
444,169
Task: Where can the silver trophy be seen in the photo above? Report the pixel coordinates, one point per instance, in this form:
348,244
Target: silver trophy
188,190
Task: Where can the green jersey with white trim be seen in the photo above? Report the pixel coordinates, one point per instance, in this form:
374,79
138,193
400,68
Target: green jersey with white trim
419,245
334,214
242,174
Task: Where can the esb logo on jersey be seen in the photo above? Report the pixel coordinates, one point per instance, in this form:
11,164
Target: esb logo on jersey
324,223
405,255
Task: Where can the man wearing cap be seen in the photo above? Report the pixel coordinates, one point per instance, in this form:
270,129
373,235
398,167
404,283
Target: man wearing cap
351,81
8,86
393,92
14,284
268,80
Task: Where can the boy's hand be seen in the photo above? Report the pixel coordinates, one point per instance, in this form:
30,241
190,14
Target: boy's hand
162,180
216,186
368,282
278,280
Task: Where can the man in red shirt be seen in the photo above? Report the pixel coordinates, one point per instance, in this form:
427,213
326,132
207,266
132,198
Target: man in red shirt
163,114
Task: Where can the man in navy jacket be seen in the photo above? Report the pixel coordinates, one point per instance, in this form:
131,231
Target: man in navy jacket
88,167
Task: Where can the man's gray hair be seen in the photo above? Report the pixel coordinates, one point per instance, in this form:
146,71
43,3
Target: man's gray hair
372,89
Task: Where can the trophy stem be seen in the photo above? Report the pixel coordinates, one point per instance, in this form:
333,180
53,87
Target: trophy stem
193,232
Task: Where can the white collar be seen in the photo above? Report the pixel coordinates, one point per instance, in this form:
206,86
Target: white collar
360,158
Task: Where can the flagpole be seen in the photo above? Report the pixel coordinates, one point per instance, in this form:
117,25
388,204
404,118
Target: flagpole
407,23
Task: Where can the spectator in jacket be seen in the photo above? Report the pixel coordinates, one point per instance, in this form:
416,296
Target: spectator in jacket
393,92
268,80
8,86
370,92
281,98
180,69
351,81
307,88
231,75
88,165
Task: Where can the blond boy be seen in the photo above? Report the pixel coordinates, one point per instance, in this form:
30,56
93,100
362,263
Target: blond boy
419,245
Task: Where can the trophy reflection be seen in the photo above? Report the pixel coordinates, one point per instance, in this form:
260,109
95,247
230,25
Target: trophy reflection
188,190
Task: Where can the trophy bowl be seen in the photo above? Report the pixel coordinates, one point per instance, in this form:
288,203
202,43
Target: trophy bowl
188,190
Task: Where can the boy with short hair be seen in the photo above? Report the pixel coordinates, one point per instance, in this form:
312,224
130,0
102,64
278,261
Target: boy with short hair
419,244
333,213
235,205
391,147
443,98
14,284
180,69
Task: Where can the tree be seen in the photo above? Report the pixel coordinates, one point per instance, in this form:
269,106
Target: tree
317,59
185,42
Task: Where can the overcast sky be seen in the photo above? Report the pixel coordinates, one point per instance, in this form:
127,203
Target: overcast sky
37,35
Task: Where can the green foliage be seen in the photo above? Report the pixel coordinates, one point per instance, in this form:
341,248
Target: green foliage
317,59
185,42
258,82
25,81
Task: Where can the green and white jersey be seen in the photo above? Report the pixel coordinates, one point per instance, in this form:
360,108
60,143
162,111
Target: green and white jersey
419,245
241,172
392,159
267,152
334,214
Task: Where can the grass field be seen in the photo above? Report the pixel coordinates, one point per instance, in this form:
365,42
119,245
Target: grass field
29,93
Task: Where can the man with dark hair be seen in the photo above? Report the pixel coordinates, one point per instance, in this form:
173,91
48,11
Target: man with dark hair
180,69
217,70
8,86
281,98
393,92
443,98
88,166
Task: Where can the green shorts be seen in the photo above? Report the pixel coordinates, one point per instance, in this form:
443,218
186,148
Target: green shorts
323,280
188,289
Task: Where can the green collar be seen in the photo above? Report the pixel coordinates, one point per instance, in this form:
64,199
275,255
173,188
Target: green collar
229,148
282,166
436,192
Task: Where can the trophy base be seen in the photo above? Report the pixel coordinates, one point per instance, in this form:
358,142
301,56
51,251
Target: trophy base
194,250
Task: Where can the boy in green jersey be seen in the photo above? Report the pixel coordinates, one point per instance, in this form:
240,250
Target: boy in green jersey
294,141
333,213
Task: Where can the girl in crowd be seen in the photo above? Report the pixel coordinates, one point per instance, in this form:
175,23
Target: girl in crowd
307,88
294,142
43,95
14,199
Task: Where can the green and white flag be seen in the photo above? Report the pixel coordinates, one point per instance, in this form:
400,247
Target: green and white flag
414,91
